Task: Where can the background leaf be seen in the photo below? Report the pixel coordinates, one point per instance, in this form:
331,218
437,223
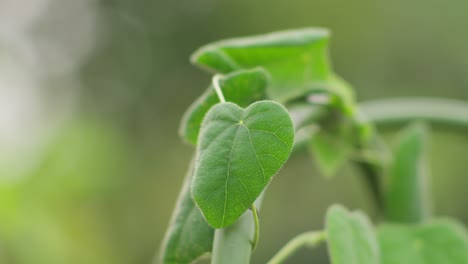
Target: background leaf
351,238
188,236
436,242
297,59
238,153
344,132
406,195
332,145
241,87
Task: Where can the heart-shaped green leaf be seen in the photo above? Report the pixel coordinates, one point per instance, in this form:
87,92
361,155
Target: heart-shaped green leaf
188,236
435,242
241,87
297,59
239,151
351,238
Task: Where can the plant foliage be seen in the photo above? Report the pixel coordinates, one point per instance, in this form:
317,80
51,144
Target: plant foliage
276,93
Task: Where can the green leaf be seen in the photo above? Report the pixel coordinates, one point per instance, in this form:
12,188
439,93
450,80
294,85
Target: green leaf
406,195
344,98
435,242
344,132
351,238
238,153
331,147
240,87
297,59
188,236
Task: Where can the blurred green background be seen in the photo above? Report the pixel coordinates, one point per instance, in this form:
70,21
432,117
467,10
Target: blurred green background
91,93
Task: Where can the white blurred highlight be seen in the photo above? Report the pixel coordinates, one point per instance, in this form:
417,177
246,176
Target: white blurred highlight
41,42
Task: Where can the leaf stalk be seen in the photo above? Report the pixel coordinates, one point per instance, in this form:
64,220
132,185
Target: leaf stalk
310,239
217,87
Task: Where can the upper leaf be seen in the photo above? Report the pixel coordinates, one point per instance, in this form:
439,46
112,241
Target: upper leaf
240,87
297,59
188,236
239,151
436,242
351,238
406,194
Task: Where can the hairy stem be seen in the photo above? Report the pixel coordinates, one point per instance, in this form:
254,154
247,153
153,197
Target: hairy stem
217,87
310,239
233,244
257,227
390,111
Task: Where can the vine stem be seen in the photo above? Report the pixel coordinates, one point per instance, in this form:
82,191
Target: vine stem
234,244
397,110
310,239
217,87
257,227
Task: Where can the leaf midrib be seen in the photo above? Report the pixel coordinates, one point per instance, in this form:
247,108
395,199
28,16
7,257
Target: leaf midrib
229,173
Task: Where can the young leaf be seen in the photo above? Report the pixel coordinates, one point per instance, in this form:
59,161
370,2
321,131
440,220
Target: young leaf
406,194
435,242
240,87
238,153
188,236
297,60
343,93
343,132
351,238
331,147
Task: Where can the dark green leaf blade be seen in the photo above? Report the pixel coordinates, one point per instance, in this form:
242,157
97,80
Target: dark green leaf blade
241,87
239,151
188,236
297,59
436,242
406,195
351,238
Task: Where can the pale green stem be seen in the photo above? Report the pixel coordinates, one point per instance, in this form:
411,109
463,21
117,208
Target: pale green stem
398,110
257,227
309,239
233,244
217,87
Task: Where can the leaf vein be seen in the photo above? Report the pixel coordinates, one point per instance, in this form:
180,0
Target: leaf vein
228,175
272,133
256,155
216,138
